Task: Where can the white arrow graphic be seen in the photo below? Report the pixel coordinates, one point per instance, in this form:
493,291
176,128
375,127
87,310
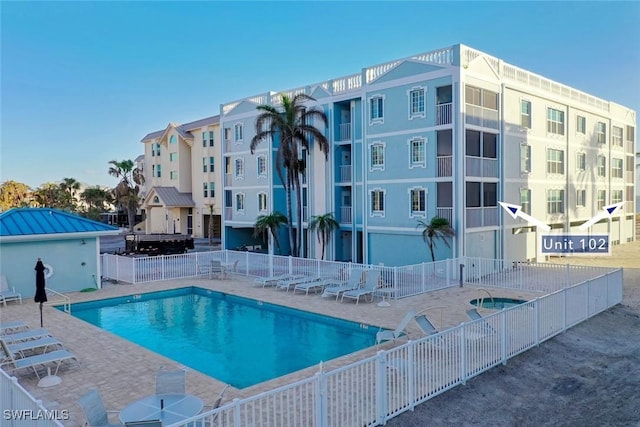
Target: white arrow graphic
606,212
516,211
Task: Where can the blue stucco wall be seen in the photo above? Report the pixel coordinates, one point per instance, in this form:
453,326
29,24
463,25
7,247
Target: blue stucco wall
403,249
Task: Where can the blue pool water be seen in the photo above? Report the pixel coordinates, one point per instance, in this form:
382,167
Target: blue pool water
236,340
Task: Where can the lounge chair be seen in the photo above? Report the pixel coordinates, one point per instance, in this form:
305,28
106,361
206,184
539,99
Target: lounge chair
287,284
171,382
13,327
273,280
6,293
338,288
484,327
316,286
370,285
42,344
94,410
56,357
216,270
30,334
388,335
425,324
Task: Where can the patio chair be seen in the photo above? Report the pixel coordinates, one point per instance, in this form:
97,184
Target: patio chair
6,293
387,335
55,357
484,326
425,324
13,327
30,334
171,382
287,284
338,288
94,410
42,344
316,286
216,270
370,285
273,280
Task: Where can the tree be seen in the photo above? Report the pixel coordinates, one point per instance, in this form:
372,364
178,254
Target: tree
212,208
323,225
70,186
14,194
52,195
96,200
293,124
127,193
437,228
269,224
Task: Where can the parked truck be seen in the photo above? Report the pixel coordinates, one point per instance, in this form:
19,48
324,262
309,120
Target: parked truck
158,244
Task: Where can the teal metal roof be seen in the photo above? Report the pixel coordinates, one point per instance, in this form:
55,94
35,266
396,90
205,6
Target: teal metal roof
37,221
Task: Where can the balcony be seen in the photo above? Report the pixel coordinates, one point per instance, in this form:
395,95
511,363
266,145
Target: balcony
446,213
445,165
481,167
227,180
345,215
344,132
480,116
444,114
345,173
228,214
228,146
628,177
482,217
305,214
629,147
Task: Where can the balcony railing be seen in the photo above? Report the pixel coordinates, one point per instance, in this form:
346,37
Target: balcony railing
305,214
481,116
344,132
482,167
482,217
628,177
228,146
629,146
228,214
443,114
445,165
446,213
227,180
345,173
345,214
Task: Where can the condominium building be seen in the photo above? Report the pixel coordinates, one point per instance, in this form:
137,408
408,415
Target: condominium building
449,133
181,179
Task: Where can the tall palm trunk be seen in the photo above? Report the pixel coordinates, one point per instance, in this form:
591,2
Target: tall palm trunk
299,213
292,243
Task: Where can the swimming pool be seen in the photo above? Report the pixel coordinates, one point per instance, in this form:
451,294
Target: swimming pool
497,303
236,340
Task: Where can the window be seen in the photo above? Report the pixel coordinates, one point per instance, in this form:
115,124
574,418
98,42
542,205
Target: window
159,171
212,166
211,138
238,132
616,196
173,139
525,158
602,133
227,134
262,202
416,103
616,136
581,124
555,161
153,170
173,175
239,172
155,152
555,121
205,190
173,157
602,199
377,202
204,139
377,156
204,164
240,202
581,161
555,202
418,202
481,97
525,113
417,153
581,198
616,168
631,133
602,165
212,188
262,166
376,107
525,200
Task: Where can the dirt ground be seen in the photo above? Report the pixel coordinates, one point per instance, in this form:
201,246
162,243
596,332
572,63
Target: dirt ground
587,376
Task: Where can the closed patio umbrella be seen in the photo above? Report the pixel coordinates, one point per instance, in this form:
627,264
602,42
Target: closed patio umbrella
41,294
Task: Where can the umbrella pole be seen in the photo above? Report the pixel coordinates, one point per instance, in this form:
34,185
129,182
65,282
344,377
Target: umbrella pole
41,315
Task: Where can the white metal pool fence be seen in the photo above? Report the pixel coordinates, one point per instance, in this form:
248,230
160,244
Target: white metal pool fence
371,391
21,409
405,281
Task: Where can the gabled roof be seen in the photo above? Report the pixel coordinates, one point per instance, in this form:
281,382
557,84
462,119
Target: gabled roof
184,129
30,222
170,197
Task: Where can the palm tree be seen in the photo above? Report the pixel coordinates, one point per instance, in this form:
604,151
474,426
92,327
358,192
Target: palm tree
127,192
437,228
269,223
323,225
95,198
293,125
70,186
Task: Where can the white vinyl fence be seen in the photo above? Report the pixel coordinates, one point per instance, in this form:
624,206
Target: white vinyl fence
21,409
371,391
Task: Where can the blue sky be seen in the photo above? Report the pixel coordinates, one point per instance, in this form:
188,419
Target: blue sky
83,82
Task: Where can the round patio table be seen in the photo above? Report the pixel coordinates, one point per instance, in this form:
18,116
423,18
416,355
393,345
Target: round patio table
168,408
